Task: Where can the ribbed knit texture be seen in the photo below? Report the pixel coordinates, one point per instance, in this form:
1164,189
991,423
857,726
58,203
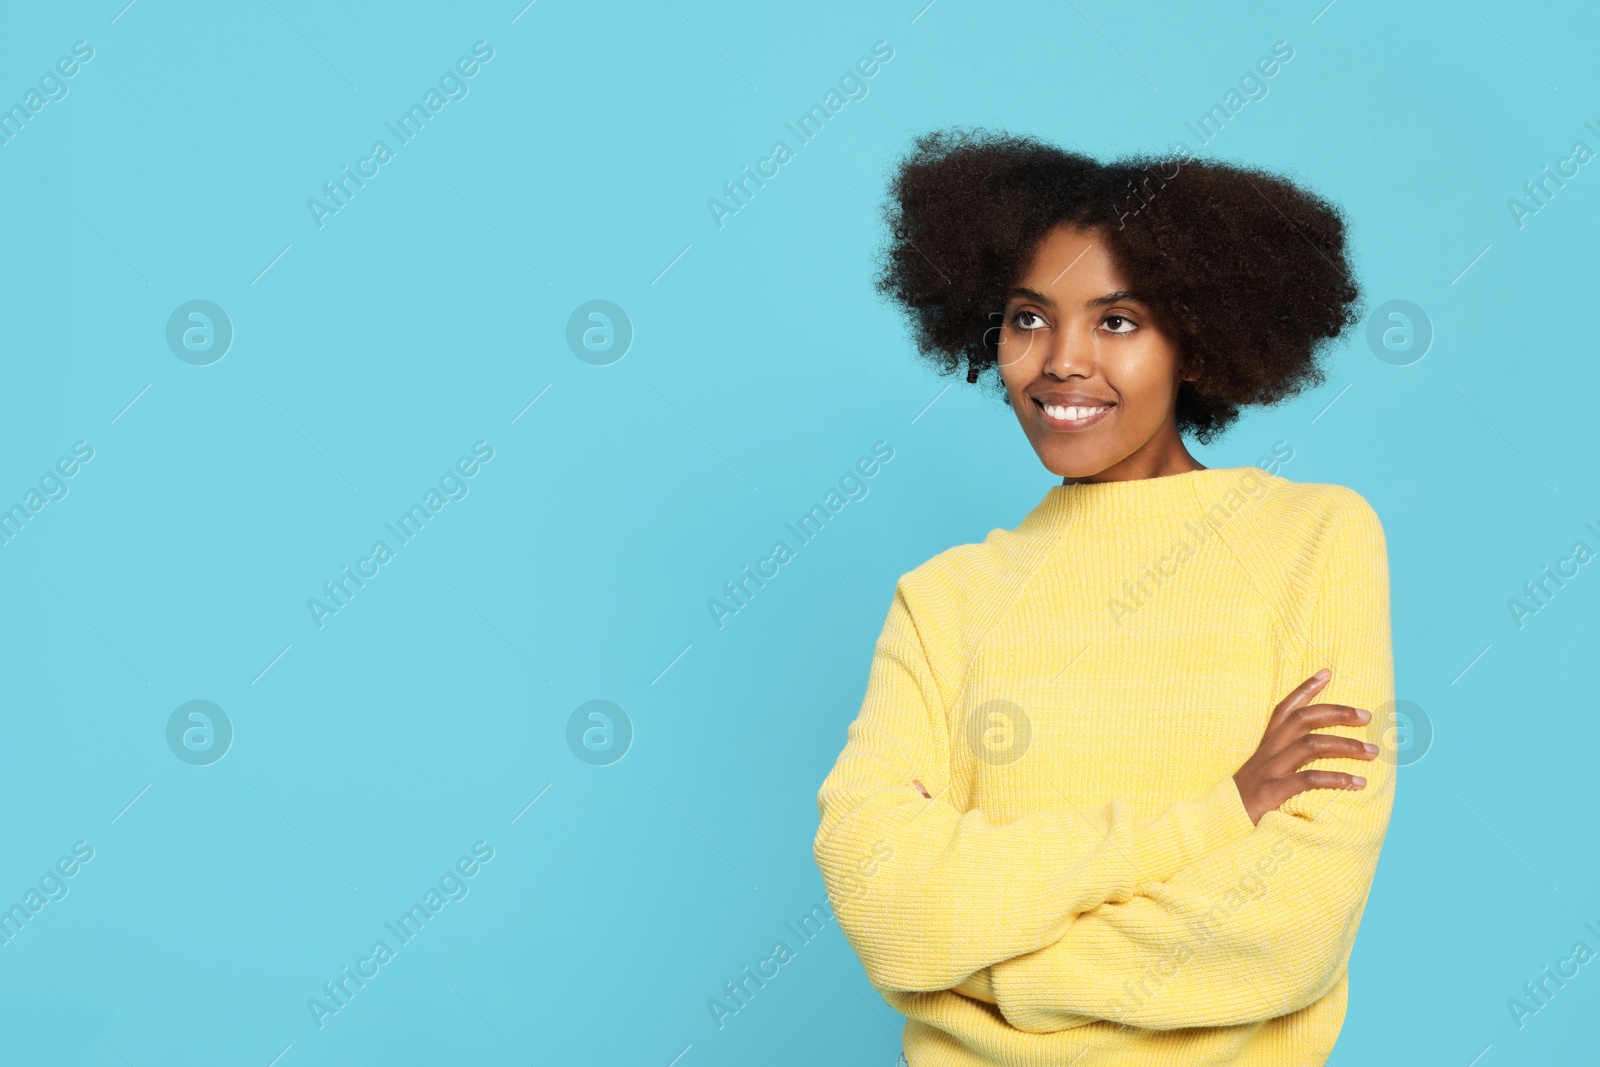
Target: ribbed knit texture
1085,885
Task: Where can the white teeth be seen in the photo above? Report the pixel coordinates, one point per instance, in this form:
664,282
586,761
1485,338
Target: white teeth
1071,414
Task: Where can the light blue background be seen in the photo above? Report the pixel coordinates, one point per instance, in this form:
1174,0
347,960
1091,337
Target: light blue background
428,314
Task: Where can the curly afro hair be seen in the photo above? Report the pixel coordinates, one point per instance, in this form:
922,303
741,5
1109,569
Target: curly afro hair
1247,270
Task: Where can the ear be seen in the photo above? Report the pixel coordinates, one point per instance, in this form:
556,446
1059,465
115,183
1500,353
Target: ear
1189,369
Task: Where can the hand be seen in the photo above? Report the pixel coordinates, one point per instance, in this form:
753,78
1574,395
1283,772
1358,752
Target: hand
1271,775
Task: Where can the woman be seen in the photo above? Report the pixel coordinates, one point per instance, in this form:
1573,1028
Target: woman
1104,802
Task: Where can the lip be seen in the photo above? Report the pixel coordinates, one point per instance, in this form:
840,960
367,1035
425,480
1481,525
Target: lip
1064,425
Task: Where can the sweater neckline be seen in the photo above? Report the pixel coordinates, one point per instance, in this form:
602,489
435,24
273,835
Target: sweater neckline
1140,502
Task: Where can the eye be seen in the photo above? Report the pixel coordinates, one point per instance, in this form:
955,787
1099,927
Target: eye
1024,319
1119,324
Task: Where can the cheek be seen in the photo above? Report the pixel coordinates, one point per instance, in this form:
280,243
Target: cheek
1018,352
1143,373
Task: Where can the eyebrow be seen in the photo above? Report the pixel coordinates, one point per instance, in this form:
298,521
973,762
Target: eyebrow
1118,297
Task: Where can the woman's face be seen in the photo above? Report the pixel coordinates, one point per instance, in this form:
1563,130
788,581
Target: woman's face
1091,375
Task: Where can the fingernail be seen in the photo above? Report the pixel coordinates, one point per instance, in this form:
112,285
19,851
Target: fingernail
1321,675
1357,780
1363,714
1372,750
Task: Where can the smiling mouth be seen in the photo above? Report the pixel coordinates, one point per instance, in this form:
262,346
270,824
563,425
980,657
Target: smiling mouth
1071,416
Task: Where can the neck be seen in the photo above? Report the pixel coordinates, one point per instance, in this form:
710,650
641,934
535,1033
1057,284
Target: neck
1153,460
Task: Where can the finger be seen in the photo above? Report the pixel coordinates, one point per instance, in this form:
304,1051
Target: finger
1298,697
1313,716
1319,746
1303,720
1329,780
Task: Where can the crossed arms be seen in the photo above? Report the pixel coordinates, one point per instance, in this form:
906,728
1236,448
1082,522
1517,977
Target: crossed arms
1195,917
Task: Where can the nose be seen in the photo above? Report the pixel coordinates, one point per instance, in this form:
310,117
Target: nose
1071,352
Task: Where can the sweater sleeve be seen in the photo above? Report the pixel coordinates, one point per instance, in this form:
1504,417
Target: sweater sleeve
928,894
1263,926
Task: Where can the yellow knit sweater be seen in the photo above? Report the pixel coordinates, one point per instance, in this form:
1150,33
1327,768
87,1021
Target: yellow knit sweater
1084,885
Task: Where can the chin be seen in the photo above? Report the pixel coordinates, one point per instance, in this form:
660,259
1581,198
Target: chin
1071,464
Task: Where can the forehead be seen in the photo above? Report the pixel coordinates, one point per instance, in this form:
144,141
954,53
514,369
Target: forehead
1072,262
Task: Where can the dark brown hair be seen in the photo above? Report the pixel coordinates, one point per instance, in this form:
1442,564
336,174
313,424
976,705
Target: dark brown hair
1246,269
